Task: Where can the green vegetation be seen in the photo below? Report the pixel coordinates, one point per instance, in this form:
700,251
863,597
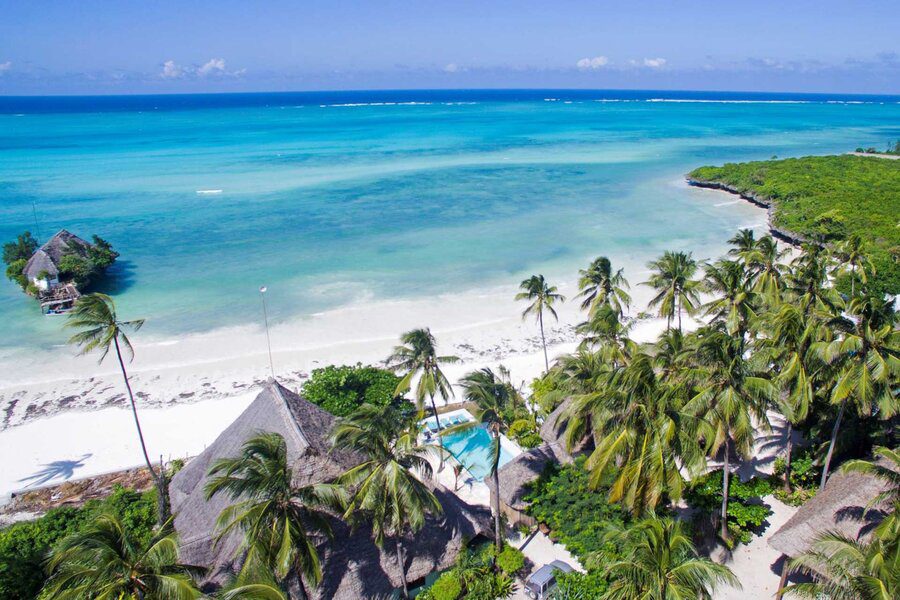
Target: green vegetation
479,574
542,296
829,198
341,390
16,255
24,546
746,513
891,149
576,515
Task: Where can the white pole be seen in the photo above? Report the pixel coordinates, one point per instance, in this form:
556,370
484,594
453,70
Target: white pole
262,294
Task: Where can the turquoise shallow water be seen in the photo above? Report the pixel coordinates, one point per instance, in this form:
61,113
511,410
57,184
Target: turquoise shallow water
336,198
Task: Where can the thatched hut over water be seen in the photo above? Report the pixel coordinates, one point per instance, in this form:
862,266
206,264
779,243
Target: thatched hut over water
353,566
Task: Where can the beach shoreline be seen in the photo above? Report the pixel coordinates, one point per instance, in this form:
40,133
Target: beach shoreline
189,388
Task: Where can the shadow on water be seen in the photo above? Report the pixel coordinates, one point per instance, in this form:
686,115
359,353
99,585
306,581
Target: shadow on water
58,469
116,280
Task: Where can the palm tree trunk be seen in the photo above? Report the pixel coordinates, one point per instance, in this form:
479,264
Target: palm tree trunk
401,564
678,301
294,586
725,482
162,499
787,457
543,341
834,433
495,500
440,438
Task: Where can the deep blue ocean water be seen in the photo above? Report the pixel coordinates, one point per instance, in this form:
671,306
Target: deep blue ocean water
336,197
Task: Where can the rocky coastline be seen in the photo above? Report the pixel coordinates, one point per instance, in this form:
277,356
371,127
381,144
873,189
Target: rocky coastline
762,201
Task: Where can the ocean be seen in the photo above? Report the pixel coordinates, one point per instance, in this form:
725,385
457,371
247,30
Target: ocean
338,198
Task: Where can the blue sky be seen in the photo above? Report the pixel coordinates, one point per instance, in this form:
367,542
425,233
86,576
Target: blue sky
164,46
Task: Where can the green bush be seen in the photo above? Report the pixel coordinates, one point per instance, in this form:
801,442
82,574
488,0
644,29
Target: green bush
14,272
576,515
805,470
580,586
447,587
24,546
511,560
524,432
21,249
342,389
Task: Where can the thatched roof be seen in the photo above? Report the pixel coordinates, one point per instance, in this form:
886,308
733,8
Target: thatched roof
840,508
517,474
47,257
351,562
553,430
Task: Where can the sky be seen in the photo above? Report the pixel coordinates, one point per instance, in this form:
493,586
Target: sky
188,46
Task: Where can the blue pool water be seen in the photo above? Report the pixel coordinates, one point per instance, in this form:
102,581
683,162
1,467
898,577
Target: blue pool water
340,197
472,448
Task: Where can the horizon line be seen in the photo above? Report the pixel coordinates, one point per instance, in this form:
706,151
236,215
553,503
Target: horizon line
430,89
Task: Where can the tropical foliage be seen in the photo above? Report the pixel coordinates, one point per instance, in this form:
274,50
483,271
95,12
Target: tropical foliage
342,389
830,197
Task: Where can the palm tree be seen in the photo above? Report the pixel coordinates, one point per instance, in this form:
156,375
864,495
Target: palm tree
661,563
277,517
491,398
789,346
844,568
744,245
730,396
768,271
807,280
642,437
388,489
673,280
599,285
105,561
542,296
100,329
735,301
854,261
417,355
606,330
867,360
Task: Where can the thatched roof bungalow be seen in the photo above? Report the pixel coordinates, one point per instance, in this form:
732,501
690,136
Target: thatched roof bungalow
842,507
45,260
353,566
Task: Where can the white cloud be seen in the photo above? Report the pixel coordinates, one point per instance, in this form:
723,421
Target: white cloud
172,70
5,66
655,63
598,62
213,66
452,68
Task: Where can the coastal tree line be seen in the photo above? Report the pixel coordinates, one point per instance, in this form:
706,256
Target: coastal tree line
775,335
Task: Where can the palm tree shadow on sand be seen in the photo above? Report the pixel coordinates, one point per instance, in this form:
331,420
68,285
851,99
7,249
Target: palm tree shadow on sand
58,469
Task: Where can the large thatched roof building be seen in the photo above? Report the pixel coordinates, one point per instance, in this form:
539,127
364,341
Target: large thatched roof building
841,507
353,566
45,260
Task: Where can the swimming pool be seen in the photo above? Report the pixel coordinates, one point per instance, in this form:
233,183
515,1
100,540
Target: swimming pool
472,447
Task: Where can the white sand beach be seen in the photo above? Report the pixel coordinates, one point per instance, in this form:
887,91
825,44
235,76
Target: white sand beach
186,399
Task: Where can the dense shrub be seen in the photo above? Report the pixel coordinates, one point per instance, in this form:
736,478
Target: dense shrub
580,586
24,546
342,389
829,196
746,513
576,515
805,473
524,432
511,560
447,587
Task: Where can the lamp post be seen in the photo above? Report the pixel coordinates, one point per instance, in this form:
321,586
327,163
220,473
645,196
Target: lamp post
262,295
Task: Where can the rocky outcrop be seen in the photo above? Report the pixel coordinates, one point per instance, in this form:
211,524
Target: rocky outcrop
762,201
